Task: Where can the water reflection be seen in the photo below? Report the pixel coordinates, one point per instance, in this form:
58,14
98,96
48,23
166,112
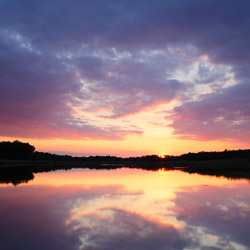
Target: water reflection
222,212
16,176
41,217
110,211
122,229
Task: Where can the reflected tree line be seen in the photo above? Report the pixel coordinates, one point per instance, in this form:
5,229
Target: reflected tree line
19,161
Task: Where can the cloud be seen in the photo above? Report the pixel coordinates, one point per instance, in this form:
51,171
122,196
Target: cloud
224,115
130,87
208,25
115,59
209,73
37,94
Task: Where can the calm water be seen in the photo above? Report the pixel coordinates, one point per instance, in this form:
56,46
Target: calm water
125,209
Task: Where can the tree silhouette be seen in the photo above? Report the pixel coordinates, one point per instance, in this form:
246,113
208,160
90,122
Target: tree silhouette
16,150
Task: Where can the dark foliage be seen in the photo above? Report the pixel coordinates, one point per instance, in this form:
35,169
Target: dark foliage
16,175
227,154
52,157
16,150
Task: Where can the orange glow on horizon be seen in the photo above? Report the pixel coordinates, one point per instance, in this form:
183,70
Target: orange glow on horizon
157,139
162,156
130,146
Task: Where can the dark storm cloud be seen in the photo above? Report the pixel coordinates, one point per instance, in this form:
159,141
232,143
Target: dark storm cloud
55,55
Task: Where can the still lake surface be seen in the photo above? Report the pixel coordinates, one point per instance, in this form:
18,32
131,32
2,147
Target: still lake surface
125,209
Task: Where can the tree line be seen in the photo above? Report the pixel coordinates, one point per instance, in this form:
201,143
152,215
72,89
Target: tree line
17,150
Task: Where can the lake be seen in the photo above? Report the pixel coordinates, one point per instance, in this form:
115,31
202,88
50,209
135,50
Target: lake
125,209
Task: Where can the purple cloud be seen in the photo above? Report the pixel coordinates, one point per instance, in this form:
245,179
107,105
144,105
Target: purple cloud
222,115
129,87
37,91
118,58
128,24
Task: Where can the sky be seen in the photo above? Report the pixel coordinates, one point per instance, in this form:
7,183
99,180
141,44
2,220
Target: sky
125,77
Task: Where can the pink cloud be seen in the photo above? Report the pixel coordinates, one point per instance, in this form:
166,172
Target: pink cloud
217,116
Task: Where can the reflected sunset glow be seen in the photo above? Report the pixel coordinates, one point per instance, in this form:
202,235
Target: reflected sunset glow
100,206
133,178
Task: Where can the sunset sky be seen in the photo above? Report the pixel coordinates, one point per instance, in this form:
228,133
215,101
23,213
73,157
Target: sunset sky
125,77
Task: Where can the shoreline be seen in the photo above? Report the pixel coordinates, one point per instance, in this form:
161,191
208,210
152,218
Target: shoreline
19,171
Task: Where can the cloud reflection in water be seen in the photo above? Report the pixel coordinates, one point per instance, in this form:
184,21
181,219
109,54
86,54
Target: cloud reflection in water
223,212
122,229
107,218
41,217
